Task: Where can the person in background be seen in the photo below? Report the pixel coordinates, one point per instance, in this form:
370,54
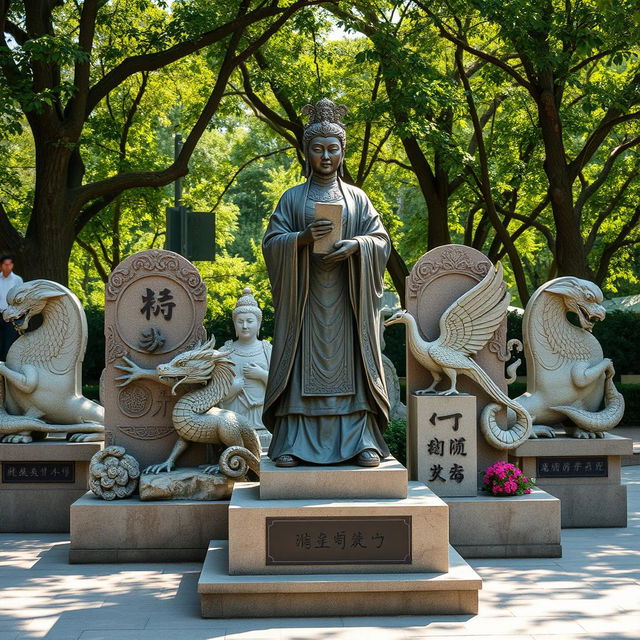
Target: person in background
8,280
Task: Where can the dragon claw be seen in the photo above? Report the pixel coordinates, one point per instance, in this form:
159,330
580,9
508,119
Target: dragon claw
17,439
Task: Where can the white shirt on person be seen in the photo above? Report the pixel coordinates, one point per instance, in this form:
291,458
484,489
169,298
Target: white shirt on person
6,284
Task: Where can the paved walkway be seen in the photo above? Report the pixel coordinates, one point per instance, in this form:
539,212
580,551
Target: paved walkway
592,592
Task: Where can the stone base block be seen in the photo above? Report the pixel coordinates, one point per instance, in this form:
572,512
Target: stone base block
342,481
525,526
225,596
251,521
39,481
134,531
583,473
185,484
586,505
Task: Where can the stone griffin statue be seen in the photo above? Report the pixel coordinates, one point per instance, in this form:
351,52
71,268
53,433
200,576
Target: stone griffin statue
40,390
568,379
195,415
465,327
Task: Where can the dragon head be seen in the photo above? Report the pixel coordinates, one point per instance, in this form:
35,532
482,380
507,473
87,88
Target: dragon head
193,367
27,300
581,297
398,316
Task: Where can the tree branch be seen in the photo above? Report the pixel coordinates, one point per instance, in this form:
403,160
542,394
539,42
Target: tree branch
497,62
104,276
153,61
242,167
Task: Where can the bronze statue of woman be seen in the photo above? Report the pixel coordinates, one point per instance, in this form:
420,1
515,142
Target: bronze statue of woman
326,400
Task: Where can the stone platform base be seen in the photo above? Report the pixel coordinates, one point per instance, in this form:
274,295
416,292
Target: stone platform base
134,531
262,596
587,476
525,526
39,481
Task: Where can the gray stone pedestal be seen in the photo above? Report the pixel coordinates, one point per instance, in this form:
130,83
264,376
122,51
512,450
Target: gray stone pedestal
39,481
307,551
525,526
134,531
583,473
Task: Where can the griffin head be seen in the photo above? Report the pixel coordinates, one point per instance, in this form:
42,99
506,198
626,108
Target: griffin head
581,297
195,366
28,300
398,316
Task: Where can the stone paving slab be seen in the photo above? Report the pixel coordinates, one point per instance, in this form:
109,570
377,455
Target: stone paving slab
591,593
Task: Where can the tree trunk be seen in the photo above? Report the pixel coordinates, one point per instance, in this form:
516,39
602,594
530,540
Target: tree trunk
46,249
570,255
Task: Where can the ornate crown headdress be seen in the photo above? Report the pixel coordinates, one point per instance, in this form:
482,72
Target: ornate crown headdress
324,121
247,304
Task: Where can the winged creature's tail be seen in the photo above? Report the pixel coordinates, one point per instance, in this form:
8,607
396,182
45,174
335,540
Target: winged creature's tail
235,462
494,434
598,421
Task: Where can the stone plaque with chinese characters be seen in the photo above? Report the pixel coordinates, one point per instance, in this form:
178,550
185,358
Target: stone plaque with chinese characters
38,472
155,304
572,467
446,443
339,540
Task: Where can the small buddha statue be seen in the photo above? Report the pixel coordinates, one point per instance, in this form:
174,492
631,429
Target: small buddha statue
251,358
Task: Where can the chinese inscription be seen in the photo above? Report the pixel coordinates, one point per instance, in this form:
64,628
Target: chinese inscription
570,467
38,472
446,441
339,540
161,305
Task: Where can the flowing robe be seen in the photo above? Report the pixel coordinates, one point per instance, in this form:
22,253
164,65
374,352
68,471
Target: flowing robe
326,399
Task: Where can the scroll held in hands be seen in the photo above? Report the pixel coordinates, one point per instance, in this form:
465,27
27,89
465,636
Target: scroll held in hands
333,213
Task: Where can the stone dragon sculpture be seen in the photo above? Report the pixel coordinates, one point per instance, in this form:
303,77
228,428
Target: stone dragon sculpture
465,327
568,378
195,415
40,390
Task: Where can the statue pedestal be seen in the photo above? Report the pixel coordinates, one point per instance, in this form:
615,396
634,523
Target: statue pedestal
583,473
39,481
133,531
526,526
309,552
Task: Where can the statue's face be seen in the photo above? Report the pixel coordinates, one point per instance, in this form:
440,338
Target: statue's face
247,326
325,155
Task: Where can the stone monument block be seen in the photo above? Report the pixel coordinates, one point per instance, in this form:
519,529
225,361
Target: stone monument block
154,308
584,473
446,443
437,280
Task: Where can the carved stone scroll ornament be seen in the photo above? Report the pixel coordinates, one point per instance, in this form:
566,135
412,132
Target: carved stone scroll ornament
113,473
452,259
154,261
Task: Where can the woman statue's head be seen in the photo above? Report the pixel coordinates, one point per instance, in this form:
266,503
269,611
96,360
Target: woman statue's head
247,317
324,138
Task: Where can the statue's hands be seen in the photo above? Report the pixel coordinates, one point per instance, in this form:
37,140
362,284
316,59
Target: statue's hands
255,372
315,231
343,249
131,371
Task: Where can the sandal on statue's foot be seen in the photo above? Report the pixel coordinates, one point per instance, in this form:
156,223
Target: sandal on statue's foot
368,458
287,461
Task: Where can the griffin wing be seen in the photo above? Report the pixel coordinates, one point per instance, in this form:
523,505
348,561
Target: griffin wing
468,324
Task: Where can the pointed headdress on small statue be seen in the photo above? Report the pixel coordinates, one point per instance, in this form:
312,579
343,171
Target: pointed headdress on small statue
325,120
247,304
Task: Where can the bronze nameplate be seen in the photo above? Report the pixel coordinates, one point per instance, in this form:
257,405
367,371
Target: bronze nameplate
38,472
339,540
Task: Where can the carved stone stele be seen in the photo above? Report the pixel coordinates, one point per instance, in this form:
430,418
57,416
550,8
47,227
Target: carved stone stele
155,305
439,278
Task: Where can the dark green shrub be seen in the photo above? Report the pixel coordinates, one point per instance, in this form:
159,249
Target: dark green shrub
396,438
